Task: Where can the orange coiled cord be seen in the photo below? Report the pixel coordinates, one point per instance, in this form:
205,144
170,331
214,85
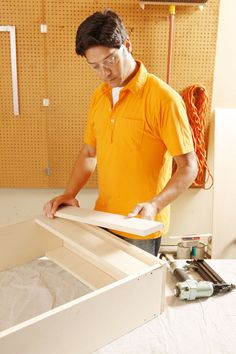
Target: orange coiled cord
196,101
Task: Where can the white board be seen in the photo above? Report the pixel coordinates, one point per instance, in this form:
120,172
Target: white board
224,193
141,227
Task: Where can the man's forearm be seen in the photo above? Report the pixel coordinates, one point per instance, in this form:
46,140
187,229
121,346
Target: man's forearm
182,178
83,168
179,183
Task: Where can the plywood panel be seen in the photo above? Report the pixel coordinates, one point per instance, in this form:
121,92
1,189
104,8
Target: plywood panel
24,242
86,272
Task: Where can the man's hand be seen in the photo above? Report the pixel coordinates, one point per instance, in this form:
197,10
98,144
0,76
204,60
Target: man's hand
146,210
51,207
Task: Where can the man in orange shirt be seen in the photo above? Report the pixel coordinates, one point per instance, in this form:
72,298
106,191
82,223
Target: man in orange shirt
136,124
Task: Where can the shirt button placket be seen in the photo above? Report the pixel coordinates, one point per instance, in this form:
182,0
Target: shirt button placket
112,127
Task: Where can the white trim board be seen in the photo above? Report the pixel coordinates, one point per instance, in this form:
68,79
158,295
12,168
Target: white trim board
141,227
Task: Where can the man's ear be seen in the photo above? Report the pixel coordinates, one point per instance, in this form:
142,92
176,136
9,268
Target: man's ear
128,45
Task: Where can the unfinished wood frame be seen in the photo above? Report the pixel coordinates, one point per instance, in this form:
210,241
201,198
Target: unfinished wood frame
127,284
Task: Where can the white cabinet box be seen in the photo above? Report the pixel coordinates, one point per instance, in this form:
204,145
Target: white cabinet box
127,283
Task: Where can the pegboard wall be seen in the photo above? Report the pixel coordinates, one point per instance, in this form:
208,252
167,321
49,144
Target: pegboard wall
38,148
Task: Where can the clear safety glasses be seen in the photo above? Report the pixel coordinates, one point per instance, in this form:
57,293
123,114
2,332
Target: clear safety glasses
109,62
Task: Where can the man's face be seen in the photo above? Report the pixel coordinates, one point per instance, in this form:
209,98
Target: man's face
112,65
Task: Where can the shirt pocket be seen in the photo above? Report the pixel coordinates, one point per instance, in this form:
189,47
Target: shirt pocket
128,133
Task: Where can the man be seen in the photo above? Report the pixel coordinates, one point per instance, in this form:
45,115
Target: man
136,123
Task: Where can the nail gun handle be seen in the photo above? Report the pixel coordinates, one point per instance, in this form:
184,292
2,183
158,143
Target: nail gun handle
180,274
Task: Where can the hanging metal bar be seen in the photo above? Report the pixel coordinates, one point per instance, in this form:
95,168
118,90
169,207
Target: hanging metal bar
12,31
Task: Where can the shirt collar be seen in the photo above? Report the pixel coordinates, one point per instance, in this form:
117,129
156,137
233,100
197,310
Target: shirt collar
136,84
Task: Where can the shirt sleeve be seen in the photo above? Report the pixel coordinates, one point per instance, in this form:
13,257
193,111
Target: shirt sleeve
89,136
175,128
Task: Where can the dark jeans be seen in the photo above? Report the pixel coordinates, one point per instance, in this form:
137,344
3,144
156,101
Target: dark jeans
151,246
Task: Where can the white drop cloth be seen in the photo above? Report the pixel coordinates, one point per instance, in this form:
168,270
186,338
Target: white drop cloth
34,288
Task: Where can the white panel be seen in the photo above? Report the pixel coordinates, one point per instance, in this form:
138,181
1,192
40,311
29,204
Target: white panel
224,89
24,242
224,220
141,227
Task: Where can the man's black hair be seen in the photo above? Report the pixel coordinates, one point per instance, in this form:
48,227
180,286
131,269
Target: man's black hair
102,28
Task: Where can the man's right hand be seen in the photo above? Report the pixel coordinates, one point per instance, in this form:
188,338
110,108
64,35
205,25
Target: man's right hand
51,207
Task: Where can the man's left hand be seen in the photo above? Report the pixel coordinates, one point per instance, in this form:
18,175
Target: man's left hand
146,210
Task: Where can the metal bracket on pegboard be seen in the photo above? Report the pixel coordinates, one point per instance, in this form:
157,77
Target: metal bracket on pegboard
12,31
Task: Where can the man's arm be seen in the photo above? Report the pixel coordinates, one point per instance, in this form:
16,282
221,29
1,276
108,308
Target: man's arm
183,177
83,168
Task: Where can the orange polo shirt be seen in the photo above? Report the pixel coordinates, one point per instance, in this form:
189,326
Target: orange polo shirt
135,141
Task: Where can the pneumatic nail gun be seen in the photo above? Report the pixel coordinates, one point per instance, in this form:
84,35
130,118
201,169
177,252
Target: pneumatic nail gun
190,289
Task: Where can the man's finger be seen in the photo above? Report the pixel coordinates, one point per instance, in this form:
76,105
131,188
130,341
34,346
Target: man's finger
75,203
47,209
55,206
135,211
